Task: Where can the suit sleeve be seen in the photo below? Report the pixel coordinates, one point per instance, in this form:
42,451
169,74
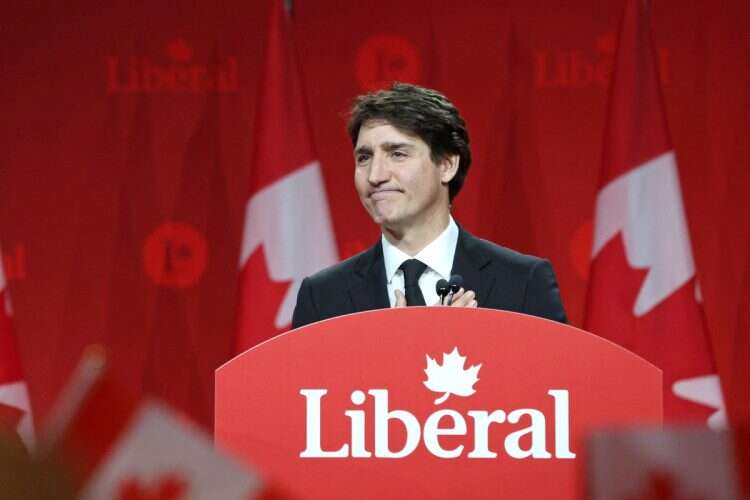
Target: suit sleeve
305,311
543,295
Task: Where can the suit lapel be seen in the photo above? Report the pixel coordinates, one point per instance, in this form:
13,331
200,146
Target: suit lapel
469,261
369,289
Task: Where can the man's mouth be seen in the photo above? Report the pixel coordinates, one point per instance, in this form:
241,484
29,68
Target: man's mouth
383,194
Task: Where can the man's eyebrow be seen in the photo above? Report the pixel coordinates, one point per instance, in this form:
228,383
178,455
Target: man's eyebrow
390,146
387,146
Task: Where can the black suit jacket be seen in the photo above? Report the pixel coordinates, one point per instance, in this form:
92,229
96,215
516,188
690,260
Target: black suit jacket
500,277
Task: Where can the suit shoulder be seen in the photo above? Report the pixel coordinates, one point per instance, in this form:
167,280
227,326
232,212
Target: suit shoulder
527,283
337,272
499,254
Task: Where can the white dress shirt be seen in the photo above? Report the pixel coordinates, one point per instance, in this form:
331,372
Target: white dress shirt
438,255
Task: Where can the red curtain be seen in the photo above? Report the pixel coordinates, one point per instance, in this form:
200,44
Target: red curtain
126,140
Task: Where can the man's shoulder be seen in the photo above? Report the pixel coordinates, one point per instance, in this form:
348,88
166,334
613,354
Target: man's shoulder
498,254
342,270
515,281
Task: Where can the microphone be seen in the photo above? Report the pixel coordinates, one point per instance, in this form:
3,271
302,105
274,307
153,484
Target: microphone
454,284
442,288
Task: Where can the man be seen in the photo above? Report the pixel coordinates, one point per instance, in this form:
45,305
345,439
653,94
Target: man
411,155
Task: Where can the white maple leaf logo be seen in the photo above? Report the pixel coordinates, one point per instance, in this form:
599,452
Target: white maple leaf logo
450,377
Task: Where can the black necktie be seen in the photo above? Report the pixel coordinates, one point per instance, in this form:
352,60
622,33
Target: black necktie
413,269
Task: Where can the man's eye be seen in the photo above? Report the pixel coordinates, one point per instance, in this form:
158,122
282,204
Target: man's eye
362,158
399,154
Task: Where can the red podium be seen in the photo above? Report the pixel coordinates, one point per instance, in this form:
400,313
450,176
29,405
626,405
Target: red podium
429,403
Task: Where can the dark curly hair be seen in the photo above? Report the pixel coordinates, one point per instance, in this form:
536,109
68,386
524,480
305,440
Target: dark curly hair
421,111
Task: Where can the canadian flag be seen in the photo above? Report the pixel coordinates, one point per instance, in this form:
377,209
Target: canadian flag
287,233
643,292
15,410
115,446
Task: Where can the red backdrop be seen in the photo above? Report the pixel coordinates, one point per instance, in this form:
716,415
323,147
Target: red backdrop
122,117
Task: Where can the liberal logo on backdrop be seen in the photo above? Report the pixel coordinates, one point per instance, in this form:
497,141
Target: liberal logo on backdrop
583,68
175,72
175,255
386,58
448,378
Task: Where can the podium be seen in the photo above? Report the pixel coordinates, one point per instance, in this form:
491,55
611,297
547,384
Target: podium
429,402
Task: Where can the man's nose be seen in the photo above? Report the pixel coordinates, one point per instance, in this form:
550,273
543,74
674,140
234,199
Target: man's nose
379,170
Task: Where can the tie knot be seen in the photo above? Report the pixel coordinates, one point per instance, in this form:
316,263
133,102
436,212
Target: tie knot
412,269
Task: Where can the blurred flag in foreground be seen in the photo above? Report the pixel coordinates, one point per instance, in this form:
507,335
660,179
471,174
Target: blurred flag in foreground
691,463
116,446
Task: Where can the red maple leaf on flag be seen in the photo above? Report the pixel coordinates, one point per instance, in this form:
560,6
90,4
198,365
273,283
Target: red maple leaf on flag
267,296
168,487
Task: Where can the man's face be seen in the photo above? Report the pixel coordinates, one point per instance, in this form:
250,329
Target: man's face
397,181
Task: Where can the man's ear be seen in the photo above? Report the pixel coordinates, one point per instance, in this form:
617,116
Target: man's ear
448,168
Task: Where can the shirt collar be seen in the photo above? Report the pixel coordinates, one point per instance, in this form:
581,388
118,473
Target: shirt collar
438,254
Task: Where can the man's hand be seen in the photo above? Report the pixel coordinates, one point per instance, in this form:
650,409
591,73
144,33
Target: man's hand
461,298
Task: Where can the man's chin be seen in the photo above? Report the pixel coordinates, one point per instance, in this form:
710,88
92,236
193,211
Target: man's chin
393,225
383,218
393,221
